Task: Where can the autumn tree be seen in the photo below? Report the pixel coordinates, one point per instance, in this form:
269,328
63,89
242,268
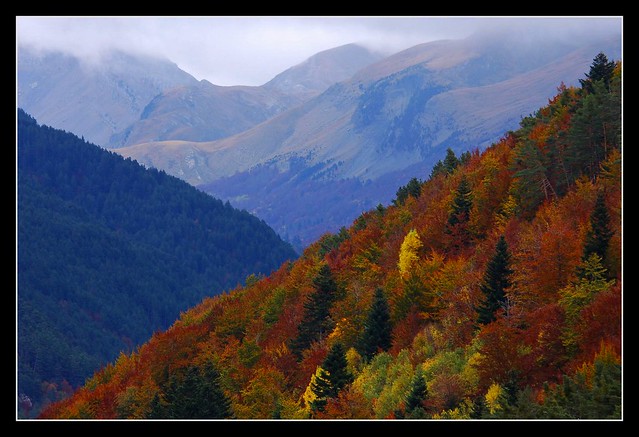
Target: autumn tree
457,224
331,377
599,234
497,279
593,392
575,297
377,330
408,253
316,322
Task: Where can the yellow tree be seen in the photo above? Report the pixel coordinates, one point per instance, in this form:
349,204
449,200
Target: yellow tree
408,253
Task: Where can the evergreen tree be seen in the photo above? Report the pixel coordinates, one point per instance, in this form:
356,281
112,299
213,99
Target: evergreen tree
413,188
531,185
599,234
462,203
316,321
438,168
157,408
332,377
480,410
377,330
460,214
193,394
464,157
595,130
450,162
600,70
416,397
337,367
497,280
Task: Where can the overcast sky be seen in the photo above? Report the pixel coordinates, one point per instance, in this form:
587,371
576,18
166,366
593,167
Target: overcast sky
252,50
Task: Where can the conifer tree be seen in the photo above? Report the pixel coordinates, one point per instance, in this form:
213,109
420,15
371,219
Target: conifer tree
413,188
600,70
193,394
316,321
599,234
416,397
332,377
460,214
497,279
377,331
450,162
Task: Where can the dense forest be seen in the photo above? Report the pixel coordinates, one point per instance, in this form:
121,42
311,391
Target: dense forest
110,252
490,290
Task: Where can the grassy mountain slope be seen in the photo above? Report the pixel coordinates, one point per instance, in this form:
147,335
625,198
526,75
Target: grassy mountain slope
502,275
109,252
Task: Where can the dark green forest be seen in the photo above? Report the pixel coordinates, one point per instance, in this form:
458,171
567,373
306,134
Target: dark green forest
110,252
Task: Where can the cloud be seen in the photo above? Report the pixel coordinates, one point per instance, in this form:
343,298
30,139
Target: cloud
252,50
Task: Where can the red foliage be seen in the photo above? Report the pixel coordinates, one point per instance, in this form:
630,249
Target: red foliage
600,322
405,330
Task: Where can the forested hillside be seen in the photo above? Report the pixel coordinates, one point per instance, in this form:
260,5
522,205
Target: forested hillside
490,290
110,252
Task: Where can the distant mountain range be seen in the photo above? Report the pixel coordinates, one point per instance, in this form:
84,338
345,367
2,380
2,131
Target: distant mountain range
124,100
349,118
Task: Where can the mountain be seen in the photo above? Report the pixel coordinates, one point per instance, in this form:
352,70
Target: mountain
206,112
110,252
202,112
490,291
92,99
391,120
315,75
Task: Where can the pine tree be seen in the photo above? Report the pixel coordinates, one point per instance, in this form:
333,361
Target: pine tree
316,321
599,234
450,162
460,214
438,168
497,280
193,394
595,130
332,377
413,189
337,367
600,70
416,397
377,330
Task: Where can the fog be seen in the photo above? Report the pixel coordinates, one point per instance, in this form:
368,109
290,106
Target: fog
252,50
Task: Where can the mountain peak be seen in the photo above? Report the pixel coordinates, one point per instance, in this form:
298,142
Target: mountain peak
317,73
